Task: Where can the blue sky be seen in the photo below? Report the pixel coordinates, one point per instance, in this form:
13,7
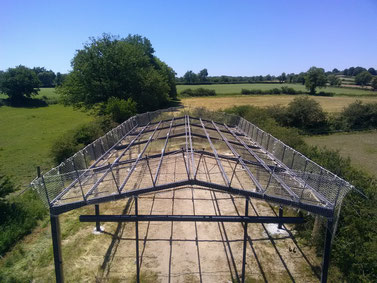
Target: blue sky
226,37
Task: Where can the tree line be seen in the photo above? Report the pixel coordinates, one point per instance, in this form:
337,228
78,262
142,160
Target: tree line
362,76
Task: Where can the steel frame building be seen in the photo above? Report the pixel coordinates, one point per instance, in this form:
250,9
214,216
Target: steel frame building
268,169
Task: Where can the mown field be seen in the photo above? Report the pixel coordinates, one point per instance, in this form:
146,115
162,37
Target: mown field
223,89
27,135
329,104
361,147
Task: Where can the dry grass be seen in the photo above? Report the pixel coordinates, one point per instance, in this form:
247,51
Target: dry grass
329,104
361,147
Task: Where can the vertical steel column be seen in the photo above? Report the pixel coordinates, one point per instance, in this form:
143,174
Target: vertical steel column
280,225
137,242
244,241
98,224
57,249
326,254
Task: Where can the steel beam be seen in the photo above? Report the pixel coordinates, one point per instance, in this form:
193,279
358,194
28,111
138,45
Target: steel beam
326,254
190,218
138,159
162,153
119,147
98,224
137,241
113,164
221,168
280,215
244,241
57,249
239,158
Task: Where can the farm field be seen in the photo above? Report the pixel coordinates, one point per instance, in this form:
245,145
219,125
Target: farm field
223,89
361,147
27,135
329,104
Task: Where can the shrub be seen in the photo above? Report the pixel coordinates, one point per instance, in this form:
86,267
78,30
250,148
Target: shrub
252,91
74,140
17,216
198,92
306,114
119,109
360,116
288,90
275,91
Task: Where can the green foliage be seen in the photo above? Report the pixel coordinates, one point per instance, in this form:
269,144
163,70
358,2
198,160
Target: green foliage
190,77
6,187
72,141
359,115
119,109
203,75
334,80
262,118
374,83
198,92
47,78
315,77
363,78
18,215
118,67
306,114
355,244
19,82
282,90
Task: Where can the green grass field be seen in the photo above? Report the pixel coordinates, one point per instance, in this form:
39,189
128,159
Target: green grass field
227,89
47,92
361,147
27,135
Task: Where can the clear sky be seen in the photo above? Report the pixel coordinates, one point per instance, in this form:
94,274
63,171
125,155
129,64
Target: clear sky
231,37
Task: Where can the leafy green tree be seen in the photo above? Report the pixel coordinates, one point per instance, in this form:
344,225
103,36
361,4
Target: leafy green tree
358,70
334,80
19,82
282,78
315,77
203,75
307,114
374,83
47,78
335,71
363,78
372,71
123,68
190,77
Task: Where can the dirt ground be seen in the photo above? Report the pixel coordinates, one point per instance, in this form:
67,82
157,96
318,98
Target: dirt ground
189,251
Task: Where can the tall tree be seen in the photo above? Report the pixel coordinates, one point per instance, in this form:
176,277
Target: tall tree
334,80
47,78
203,75
19,82
190,77
315,77
123,68
282,78
363,78
372,71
